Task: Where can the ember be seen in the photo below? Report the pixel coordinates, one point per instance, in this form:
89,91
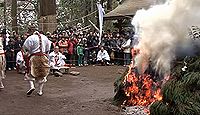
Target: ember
135,110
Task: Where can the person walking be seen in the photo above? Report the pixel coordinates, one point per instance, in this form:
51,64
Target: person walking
37,47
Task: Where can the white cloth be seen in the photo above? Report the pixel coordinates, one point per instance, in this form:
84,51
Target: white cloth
20,62
126,46
19,58
56,60
101,13
33,46
103,55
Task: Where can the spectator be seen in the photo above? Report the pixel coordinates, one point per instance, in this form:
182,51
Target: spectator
127,51
86,52
63,44
54,43
113,44
80,54
17,45
71,53
102,57
119,52
74,42
10,55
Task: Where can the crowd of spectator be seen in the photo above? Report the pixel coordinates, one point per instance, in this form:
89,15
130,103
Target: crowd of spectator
78,46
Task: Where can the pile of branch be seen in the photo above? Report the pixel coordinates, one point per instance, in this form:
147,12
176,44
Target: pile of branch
120,95
181,94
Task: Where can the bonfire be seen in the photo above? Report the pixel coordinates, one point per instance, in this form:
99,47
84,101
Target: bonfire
137,90
172,52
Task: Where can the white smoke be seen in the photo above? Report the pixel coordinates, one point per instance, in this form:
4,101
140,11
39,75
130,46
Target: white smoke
163,32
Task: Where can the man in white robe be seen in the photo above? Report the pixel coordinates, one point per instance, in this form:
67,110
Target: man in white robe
102,57
57,60
38,47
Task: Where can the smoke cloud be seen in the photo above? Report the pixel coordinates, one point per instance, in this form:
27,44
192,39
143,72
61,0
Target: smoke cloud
163,32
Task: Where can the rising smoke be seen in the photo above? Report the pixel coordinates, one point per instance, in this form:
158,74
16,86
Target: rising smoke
163,32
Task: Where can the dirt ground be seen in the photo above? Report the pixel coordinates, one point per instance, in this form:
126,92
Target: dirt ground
89,93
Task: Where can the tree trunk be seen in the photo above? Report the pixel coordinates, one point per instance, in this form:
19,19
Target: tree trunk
14,16
47,7
4,13
87,11
109,5
47,15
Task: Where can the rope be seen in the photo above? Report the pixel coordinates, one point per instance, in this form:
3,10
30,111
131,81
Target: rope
121,59
68,21
55,23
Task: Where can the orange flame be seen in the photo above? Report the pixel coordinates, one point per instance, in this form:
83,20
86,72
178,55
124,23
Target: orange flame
157,95
139,89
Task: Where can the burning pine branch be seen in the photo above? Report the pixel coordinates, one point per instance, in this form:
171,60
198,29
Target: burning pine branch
134,89
140,90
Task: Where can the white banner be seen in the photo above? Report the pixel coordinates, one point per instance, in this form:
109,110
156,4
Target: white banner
101,13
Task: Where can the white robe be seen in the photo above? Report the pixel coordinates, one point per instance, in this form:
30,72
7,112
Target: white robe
56,60
103,55
33,46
